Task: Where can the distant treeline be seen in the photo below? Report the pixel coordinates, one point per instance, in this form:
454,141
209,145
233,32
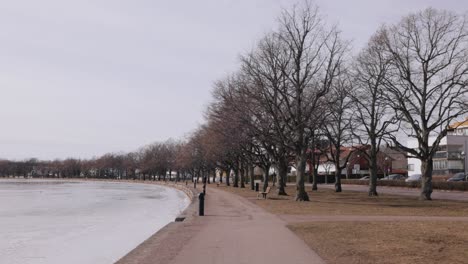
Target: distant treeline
155,161
302,98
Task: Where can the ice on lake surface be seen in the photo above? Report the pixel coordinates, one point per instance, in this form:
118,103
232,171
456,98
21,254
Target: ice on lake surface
46,221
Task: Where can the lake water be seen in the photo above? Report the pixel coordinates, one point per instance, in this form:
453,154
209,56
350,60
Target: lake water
46,221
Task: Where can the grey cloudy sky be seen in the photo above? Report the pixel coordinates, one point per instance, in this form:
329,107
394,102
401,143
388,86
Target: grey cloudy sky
83,78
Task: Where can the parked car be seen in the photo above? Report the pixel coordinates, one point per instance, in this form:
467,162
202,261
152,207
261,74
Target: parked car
458,177
364,178
392,177
414,178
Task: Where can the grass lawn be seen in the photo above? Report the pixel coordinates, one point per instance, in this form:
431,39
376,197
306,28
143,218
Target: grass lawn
327,202
373,242
387,242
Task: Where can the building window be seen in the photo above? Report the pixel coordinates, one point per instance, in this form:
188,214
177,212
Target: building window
440,165
410,167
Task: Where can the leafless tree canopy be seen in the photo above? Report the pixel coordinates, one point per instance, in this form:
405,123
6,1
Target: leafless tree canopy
427,80
300,94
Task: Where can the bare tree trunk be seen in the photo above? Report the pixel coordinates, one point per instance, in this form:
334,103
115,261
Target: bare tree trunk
373,173
236,178
301,194
426,180
282,174
337,179
252,177
337,169
246,173
228,171
373,181
266,172
314,169
314,177
310,176
242,175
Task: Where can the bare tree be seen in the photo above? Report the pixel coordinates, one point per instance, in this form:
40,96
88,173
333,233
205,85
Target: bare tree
427,81
315,55
339,126
264,79
370,107
319,147
230,117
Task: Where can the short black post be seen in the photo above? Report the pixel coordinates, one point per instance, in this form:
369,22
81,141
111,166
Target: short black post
201,204
257,186
195,184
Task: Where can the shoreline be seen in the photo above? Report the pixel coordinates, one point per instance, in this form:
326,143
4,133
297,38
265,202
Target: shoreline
163,237
230,232
167,241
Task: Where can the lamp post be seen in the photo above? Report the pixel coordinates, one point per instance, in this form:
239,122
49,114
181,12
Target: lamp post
359,162
385,166
463,155
347,170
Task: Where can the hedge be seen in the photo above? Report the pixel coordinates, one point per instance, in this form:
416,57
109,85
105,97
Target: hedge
437,185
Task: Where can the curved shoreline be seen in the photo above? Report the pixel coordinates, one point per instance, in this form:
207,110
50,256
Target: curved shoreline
229,233
167,240
190,192
166,233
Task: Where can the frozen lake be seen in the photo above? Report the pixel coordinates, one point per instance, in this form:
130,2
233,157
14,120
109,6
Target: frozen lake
46,221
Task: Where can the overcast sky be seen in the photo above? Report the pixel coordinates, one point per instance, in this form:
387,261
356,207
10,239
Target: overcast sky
83,78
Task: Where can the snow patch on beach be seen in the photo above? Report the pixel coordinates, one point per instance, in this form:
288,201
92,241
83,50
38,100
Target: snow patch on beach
80,222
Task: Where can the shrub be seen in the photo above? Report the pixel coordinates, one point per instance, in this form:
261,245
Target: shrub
436,185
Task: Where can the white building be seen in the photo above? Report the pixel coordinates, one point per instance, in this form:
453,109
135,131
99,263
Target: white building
450,158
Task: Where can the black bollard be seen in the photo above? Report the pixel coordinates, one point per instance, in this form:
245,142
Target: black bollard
257,186
201,204
195,184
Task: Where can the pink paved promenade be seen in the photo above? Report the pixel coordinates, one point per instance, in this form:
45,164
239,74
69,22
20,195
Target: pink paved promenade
233,230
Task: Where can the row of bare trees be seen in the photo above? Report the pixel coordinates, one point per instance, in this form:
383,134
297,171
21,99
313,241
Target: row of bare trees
300,87
301,94
155,161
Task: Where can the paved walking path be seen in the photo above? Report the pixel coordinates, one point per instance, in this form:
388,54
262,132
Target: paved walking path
436,194
233,231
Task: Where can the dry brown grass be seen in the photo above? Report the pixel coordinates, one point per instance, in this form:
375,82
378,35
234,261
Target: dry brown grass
374,242
327,202
387,242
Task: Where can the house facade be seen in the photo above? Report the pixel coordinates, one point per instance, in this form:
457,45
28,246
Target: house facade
398,161
450,157
357,165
